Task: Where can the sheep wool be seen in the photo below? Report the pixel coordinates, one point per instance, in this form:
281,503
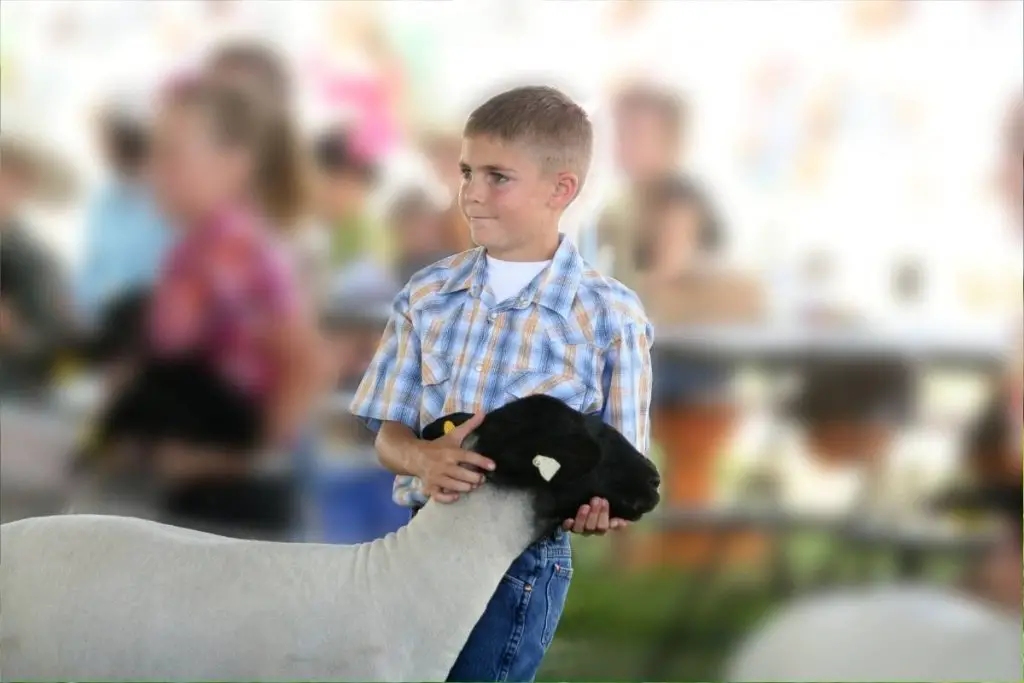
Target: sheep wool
98,597
886,633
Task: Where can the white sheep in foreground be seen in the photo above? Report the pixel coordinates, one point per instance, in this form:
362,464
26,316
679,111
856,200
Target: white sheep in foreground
893,633
87,597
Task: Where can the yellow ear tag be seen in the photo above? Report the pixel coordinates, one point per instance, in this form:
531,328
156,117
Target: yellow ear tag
448,426
547,467
66,367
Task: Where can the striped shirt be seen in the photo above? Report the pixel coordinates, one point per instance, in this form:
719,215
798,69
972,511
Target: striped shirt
450,347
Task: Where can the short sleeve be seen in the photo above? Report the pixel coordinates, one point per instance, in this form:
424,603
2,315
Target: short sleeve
391,389
627,384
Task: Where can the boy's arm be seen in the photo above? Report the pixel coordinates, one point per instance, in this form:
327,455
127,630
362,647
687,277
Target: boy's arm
388,401
627,383
627,407
391,388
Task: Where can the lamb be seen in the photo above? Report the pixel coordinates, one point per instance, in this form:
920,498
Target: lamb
904,632
114,598
884,633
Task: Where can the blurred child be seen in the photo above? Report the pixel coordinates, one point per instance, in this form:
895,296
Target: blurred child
415,224
851,411
521,314
227,292
344,182
650,130
443,151
35,315
680,274
263,73
126,237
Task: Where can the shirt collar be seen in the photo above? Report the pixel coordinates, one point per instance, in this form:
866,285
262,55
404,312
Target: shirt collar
555,289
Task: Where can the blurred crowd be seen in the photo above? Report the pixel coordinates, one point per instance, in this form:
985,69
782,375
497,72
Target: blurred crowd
354,229
850,190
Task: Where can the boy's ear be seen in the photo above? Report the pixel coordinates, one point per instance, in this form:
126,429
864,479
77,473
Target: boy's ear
443,425
567,186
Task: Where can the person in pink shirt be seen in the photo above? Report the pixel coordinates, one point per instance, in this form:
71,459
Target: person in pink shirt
227,291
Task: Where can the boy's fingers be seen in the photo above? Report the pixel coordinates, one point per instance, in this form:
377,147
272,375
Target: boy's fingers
455,485
567,524
602,518
463,474
463,430
471,458
592,519
579,524
445,497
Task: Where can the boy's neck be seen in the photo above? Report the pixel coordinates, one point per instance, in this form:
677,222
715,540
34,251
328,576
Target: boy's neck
527,253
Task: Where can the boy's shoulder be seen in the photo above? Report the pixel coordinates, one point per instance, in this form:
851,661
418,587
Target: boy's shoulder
604,295
442,275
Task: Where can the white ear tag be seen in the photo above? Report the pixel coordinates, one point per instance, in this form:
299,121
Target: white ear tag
548,467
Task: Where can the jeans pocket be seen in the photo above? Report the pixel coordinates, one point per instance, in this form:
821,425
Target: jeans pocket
557,592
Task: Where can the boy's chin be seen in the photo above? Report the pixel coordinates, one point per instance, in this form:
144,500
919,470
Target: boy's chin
487,233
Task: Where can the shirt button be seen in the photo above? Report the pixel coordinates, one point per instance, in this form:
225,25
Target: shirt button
492,317
479,367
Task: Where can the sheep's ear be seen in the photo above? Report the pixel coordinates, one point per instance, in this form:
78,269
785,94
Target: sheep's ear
443,425
548,467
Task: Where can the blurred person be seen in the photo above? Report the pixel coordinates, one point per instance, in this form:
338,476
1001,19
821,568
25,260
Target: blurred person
35,309
344,183
682,281
650,133
227,291
126,237
442,150
263,74
1011,160
1011,176
521,314
415,222
907,631
852,410
681,277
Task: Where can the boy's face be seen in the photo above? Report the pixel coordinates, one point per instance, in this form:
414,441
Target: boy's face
511,203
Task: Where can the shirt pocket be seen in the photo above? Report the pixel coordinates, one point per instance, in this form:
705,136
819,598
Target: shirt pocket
566,367
436,376
569,389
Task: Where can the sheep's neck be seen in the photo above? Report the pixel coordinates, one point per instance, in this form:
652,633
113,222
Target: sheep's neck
444,566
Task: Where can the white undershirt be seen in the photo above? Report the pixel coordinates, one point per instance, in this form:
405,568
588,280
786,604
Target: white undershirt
507,278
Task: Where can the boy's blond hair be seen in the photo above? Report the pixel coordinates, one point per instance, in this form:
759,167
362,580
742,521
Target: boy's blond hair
543,118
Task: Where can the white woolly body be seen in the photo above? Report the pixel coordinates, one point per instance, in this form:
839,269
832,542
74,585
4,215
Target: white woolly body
97,597
891,633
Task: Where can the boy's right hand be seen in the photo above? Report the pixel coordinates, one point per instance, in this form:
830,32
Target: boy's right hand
439,464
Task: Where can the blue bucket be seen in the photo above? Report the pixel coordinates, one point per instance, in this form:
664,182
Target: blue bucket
354,505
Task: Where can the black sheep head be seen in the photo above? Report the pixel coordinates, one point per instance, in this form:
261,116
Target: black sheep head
564,457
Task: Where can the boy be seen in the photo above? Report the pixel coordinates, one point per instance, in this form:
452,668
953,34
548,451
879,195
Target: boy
519,315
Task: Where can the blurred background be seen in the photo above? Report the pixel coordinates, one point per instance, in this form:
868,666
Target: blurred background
819,203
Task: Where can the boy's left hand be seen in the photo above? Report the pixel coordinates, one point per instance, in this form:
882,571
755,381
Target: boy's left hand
593,519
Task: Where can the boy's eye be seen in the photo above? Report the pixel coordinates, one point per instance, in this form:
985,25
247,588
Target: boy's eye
498,179
465,173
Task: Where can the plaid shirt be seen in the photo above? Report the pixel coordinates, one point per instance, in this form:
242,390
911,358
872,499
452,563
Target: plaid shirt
449,347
